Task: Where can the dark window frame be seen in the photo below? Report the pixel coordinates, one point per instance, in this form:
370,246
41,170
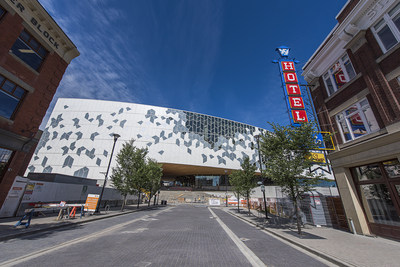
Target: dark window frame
4,12
385,179
26,38
7,164
11,94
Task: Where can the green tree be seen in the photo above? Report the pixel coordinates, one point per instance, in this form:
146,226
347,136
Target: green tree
286,153
244,181
154,174
129,176
236,182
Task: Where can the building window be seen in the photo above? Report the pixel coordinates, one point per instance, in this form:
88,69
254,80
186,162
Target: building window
378,184
10,97
387,30
5,157
356,121
29,50
2,12
339,74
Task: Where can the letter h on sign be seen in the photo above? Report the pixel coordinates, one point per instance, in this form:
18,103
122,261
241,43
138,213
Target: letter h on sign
287,65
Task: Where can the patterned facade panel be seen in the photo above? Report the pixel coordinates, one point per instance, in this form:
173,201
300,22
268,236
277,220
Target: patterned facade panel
171,136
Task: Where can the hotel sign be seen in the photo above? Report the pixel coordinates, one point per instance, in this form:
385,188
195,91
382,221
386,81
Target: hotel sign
292,93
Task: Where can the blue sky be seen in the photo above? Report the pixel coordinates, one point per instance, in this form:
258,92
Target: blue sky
207,56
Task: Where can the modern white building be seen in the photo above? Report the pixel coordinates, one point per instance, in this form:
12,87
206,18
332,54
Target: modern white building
196,150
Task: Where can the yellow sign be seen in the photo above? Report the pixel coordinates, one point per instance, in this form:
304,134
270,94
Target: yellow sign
317,157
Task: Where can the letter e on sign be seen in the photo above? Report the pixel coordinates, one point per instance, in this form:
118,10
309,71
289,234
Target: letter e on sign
296,102
287,66
299,116
293,89
290,77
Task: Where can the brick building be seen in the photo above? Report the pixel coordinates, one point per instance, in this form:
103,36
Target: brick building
355,86
34,54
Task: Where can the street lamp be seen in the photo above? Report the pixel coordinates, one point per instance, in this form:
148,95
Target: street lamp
261,183
116,136
226,189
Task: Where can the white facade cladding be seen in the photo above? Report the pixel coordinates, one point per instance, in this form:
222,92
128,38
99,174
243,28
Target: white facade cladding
78,138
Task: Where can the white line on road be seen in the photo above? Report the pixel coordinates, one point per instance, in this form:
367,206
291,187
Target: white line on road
312,255
39,253
251,257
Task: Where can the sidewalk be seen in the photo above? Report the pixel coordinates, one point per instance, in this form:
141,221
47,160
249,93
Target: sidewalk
48,222
339,247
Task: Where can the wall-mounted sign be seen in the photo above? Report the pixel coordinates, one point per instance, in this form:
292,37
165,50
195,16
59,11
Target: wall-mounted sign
294,99
317,157
296,102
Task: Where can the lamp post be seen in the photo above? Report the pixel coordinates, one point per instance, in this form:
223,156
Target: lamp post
226,189
116,136
262,183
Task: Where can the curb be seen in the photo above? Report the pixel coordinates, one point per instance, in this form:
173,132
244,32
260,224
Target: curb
307,248
70,223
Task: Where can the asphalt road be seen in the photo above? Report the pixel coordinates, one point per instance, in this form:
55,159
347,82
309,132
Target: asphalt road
184,235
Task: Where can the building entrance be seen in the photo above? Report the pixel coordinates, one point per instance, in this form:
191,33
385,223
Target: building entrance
378,186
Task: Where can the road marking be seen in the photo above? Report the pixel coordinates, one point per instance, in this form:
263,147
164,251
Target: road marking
312,255
139,230
251,257
39,253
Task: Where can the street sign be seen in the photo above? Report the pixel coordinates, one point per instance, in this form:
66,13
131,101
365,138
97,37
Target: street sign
91,202
263,188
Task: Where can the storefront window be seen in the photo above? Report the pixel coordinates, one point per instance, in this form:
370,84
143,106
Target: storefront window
380,204
368,172
379,191
392,168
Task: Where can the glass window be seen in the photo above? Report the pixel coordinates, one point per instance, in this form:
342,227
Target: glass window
392,168
339,74
368,172
387,30
356,121
5,156
2,12
29,50
10,97
381,208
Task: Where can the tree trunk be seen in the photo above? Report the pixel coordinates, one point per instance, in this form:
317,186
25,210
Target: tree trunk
138,200
293,197
150,196
298,218
123,203
155,197
248,202
238,197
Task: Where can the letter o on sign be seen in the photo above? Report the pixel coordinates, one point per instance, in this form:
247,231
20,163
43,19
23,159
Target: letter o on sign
290,77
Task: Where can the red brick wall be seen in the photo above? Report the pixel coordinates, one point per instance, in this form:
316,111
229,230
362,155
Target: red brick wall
33,108
384,96
346,11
